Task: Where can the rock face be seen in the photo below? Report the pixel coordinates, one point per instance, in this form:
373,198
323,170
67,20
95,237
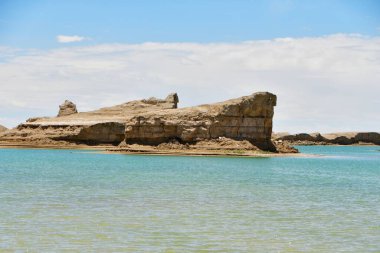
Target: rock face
154,121
348,138
3,128
67,108
246,118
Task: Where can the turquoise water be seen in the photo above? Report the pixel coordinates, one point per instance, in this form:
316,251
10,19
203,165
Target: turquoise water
76,201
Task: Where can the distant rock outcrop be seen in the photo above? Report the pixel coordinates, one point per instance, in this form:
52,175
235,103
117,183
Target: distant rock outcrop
67,108
170,102
368,137
347,138
313,137
154,121
3,128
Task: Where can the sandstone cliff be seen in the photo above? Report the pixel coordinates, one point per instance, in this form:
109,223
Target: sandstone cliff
246,118
154,121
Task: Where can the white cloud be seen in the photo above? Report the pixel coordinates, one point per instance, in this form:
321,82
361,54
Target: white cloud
323,84
69,39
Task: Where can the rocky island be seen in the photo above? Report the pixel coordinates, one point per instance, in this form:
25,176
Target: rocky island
241,126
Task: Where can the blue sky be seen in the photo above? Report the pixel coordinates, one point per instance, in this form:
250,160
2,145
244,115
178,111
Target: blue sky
321,58
36,23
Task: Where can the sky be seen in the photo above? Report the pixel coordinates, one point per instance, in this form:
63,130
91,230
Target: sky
321,58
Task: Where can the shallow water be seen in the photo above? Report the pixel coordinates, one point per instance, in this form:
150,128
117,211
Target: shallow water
75,201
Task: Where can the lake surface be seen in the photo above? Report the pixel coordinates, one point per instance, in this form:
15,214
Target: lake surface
79,201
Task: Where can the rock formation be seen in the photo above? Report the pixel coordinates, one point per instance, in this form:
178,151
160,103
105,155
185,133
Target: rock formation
246,118
154,121
170,102
348,138
3,128
368,137
67,108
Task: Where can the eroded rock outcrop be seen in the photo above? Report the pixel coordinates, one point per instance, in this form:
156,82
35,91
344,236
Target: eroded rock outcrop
170,102
313,137
67,108
246,118
154,121
370,137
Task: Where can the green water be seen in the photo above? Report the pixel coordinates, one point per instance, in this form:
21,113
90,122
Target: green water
76,201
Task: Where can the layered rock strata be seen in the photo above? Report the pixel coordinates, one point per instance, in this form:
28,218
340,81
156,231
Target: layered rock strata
246,118
155,121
